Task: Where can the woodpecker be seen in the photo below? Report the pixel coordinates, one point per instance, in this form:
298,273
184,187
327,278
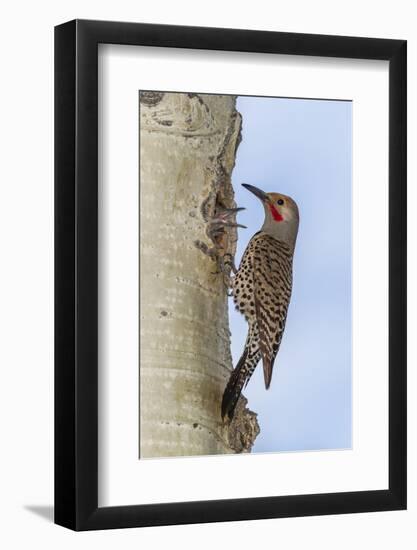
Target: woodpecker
261,291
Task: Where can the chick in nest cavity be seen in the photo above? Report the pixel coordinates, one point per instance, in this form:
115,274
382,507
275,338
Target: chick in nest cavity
221,226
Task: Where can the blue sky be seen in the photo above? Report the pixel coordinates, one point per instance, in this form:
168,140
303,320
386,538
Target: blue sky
302,148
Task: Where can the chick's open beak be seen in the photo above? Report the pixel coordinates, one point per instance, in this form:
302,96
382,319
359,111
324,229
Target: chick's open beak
256,191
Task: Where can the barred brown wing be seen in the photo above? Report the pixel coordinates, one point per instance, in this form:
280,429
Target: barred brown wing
272,283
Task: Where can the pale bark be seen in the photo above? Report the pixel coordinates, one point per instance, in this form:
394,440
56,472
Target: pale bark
187,152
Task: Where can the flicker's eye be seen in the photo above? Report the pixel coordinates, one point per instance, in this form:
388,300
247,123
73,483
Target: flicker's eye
280,201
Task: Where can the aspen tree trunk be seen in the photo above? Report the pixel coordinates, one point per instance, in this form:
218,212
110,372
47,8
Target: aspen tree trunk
188,144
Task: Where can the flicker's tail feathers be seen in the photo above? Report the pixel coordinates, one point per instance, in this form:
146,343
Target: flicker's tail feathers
240,376
234,388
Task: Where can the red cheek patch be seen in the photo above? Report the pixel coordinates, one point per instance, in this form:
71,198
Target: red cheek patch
275,214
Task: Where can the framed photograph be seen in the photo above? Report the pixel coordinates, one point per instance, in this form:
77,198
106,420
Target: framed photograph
230,252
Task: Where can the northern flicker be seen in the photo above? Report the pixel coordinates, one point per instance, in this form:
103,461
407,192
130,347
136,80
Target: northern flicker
262,290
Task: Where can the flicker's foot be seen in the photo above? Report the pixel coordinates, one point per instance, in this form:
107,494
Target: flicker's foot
230,262
228,283
224,270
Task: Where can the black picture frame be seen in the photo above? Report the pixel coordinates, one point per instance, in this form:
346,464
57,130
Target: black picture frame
76,272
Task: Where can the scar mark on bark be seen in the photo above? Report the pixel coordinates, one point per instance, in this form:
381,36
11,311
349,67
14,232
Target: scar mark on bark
151,98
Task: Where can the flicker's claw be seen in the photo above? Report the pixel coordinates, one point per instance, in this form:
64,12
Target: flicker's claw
227,281
231,262
231,265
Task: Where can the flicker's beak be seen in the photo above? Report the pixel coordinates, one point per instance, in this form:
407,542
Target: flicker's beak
257,192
